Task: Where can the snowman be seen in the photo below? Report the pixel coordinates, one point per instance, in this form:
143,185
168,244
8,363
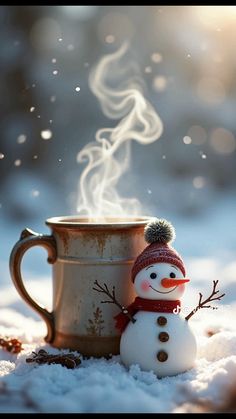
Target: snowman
158,338
154,333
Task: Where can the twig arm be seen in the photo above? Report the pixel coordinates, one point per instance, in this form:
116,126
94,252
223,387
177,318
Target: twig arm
203,304
113,300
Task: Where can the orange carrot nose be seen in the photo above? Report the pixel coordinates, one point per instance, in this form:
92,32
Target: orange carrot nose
169,283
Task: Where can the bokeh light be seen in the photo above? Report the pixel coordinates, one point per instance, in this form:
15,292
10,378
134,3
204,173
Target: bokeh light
46,134
187,139
197,134
222,141
159,83
156,57
199,182
215,17
45,33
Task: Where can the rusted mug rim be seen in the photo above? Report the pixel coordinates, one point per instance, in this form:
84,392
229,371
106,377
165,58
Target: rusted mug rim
98,222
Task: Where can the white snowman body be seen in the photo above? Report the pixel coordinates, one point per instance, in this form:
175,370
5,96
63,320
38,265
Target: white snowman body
160,342
140,344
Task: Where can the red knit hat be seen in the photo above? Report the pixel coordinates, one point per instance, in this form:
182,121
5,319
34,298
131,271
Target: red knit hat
158,233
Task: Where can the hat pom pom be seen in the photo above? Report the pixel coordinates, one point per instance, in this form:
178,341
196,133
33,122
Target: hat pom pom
159,231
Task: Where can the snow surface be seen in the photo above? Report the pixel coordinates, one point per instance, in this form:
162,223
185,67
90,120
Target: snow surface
100,385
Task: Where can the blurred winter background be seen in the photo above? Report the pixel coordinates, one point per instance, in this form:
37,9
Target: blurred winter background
186,55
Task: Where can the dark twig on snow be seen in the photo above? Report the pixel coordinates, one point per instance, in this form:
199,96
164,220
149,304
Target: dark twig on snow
66,360
11,345
202,304
113,299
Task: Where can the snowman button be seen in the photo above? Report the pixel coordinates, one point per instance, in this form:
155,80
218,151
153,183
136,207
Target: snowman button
162,356
161,321
163,336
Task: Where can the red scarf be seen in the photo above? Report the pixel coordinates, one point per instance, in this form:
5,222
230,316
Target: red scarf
158,306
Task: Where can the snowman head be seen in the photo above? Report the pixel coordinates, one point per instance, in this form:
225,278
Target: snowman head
160,281
159,272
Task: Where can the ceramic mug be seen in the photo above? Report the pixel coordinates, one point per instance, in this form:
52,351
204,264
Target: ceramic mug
82,252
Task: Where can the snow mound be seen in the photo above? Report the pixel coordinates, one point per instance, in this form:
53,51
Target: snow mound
220,345
104,386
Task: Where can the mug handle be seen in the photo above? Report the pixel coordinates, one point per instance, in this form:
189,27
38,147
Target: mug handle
29,239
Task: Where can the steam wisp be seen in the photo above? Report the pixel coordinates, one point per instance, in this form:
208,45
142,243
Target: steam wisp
109,156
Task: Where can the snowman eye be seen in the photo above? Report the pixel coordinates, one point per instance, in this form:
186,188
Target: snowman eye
172,275
153,275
